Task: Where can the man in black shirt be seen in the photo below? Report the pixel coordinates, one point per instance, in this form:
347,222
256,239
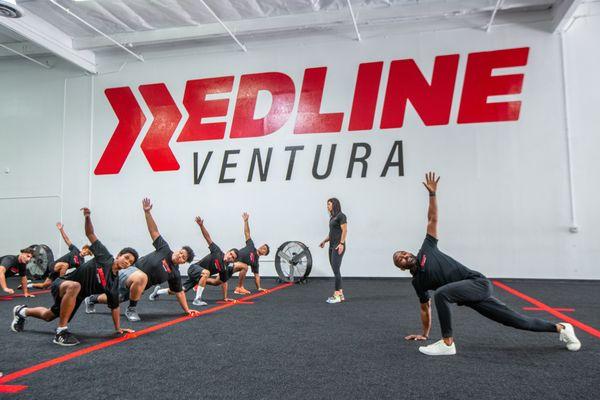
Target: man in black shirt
215,263
454,283
13,265
73,259
248,257
99,275
162,265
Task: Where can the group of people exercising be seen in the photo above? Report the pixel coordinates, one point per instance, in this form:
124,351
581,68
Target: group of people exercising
109,280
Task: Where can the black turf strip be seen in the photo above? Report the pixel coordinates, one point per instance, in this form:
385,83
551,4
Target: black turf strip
290,344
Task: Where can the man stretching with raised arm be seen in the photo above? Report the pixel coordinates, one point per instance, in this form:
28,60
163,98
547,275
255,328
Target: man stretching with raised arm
249,257
13,265
99,275
215,263
162,265
454,283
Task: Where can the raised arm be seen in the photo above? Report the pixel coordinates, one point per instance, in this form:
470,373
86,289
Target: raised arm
430,184
152,228
205,233
245,216
89,228
61,229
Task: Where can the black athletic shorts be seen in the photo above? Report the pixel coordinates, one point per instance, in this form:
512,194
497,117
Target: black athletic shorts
55,291
193,277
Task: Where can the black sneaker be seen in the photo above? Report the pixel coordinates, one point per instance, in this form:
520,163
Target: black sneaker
18,322
65,338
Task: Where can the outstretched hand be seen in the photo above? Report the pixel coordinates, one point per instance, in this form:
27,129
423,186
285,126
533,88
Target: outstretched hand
147,204
199,221
86,211
415,337
431,182
245,216
60,226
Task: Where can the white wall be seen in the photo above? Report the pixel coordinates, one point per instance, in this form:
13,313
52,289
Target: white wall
504,199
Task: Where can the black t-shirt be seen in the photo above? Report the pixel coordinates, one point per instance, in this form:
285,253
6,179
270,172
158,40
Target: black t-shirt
435,269
13,266
335,229
72,257
214,262
159,266
248,254
96,275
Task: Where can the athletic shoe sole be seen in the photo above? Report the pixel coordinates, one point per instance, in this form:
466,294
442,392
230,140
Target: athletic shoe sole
64,344
16,318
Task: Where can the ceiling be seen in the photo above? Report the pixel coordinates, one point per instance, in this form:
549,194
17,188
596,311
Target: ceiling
82,31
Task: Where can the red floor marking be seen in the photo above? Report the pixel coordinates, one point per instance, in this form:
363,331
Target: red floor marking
553,311
12,388
554,308
240,301
12,296
58,360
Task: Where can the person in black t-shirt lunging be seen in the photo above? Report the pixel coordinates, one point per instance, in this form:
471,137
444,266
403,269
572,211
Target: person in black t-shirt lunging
338,229
73,259
454,283
99,275
248,257
13,265
162,265
215,263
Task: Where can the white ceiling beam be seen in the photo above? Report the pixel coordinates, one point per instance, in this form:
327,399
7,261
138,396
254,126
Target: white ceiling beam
369,16
27,48
17,52
563,15
98,31
45,35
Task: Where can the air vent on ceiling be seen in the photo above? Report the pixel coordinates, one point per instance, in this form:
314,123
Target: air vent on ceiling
9,9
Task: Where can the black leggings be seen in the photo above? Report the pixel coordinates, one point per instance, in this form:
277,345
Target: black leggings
335,260
477,294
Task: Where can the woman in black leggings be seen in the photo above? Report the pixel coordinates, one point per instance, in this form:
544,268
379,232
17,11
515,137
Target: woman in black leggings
337,245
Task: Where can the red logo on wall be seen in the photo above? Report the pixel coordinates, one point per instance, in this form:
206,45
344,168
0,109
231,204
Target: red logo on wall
431,98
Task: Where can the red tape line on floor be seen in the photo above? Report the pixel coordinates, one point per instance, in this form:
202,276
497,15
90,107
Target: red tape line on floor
12,296
12,388
554,308
548,309
58,360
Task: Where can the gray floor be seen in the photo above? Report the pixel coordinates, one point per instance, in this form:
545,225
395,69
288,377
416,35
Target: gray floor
291,344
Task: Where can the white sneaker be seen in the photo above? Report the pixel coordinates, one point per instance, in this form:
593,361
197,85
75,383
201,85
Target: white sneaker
438,348
154,295
199,302
567,335
334,299
90,308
